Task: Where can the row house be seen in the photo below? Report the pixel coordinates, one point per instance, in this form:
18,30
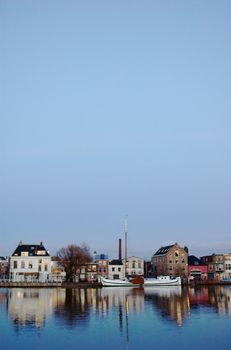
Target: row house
116,269
227,266
87,272
197,270
219,266
102,261
30,262
58,274
4,268
134,266
170,260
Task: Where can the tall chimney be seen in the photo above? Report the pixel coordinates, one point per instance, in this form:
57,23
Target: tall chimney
120,249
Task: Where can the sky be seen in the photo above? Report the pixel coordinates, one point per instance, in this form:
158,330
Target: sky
113,111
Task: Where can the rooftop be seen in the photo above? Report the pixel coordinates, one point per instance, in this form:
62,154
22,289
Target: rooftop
30,250
164,250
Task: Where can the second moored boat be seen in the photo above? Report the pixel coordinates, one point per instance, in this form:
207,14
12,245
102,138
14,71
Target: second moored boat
143,282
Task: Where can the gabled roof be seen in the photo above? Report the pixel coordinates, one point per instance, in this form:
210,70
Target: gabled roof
31,249
193,260
116,262
164,250
134,257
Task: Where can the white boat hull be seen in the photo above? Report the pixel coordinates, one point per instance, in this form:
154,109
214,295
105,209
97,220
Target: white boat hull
147,282
162,281
106,282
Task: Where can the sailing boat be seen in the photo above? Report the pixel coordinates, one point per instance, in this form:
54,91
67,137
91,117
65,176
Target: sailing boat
118,282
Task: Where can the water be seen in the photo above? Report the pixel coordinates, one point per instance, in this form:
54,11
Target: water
116,318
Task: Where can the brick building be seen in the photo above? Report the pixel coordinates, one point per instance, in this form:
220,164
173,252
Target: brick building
170,260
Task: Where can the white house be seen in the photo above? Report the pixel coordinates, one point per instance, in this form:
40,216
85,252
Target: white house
30,262
116,269
134,266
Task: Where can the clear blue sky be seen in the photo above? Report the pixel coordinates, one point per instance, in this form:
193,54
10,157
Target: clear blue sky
114,108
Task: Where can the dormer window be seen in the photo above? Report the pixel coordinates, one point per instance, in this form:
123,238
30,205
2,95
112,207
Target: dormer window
41,252
24,253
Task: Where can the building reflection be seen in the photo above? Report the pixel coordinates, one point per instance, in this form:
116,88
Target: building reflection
3,297
75,308
218,297
117,297
221,298
32,307
171,302
198,296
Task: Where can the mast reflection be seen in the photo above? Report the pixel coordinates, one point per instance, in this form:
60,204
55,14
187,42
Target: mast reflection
31,307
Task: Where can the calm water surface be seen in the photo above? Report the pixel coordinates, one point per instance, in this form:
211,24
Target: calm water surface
116,318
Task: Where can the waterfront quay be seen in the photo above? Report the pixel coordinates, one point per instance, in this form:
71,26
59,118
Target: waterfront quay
10,284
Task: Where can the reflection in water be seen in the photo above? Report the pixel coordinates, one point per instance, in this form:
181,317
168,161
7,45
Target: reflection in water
123,301
74,307
218,297
172,302
221,297
2,297
31,307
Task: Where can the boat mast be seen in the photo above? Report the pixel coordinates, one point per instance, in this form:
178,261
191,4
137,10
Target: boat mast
126,244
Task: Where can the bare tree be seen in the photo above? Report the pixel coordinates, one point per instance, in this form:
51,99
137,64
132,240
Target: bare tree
73,256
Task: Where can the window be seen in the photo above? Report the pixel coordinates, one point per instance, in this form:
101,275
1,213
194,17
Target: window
22,264
41,252
170,261
133,264
24,253
139,264
119,269
176,254
113,269
30,265
15,264
40,261
45,268
40,268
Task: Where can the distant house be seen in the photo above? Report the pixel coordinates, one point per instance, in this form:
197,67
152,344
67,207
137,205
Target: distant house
219,266
30,262
116,269
58,273
215,263
87,272
227,266
4,268
170,260
197,270
134,266
102,261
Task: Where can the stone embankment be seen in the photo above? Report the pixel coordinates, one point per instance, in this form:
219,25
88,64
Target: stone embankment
9,284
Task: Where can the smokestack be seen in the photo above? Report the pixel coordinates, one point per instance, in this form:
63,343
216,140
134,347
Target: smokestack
120,249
